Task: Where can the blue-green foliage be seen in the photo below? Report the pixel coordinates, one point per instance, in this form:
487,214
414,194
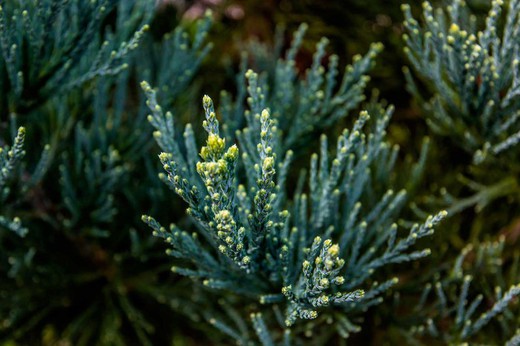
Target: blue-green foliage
472,73
307,251
99,170
12,231
48,47
171,63
270,250
9,159
89,183
468,88
515,340
115,142
466,296
305,102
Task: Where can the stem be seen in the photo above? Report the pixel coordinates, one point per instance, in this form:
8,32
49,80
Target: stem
505,187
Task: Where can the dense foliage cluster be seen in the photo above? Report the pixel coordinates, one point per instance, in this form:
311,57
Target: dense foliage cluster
298,221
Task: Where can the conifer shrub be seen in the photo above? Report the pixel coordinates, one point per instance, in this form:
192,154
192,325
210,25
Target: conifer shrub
294,217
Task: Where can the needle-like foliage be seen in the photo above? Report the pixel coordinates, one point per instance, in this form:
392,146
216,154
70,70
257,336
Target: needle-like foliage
472,72
83,257
313,251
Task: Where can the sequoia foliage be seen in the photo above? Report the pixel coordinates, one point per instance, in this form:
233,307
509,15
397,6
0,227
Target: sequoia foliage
294,216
